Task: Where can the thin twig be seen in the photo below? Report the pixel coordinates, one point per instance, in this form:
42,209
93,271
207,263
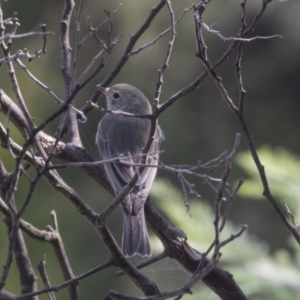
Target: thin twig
163,33
167,57
67,283
239,39
146,263
229,202
9,36
44,276
62,258
133,39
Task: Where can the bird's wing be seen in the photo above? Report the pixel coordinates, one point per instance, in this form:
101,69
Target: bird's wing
119,174
147,176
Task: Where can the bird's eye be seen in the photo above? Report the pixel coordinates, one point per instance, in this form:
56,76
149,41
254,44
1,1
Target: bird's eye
116,95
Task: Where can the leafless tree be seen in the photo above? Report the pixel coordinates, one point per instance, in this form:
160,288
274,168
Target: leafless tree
39,150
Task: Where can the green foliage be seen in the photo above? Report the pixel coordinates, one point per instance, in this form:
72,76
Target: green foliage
261,275
283,172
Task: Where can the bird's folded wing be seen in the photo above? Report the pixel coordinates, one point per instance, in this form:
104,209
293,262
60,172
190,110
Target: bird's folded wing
147,176
120,173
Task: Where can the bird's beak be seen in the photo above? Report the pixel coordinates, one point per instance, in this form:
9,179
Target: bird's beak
103,90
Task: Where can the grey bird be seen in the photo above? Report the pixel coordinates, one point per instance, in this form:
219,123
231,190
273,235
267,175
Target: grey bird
125,137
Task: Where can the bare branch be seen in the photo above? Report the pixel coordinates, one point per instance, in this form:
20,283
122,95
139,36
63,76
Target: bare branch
119,112
62,258
173,239
148,262
44,276
66,283
4,295
163,33
168,55
229,202
133,39
196,82
67,69
9,36
27,276
239,39
238,111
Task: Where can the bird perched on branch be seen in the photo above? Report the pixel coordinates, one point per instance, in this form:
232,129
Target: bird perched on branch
126,137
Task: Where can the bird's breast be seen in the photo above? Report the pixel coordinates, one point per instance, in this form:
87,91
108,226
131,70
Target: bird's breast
126,134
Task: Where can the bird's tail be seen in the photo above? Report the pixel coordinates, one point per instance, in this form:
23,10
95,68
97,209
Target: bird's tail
135,236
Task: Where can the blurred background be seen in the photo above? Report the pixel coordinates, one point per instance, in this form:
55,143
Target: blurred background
200,126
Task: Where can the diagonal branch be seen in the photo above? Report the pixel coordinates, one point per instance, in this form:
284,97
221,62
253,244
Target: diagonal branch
67,69
133,39
238,112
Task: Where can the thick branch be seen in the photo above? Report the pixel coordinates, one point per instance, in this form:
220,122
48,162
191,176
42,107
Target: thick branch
67,68
218,280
